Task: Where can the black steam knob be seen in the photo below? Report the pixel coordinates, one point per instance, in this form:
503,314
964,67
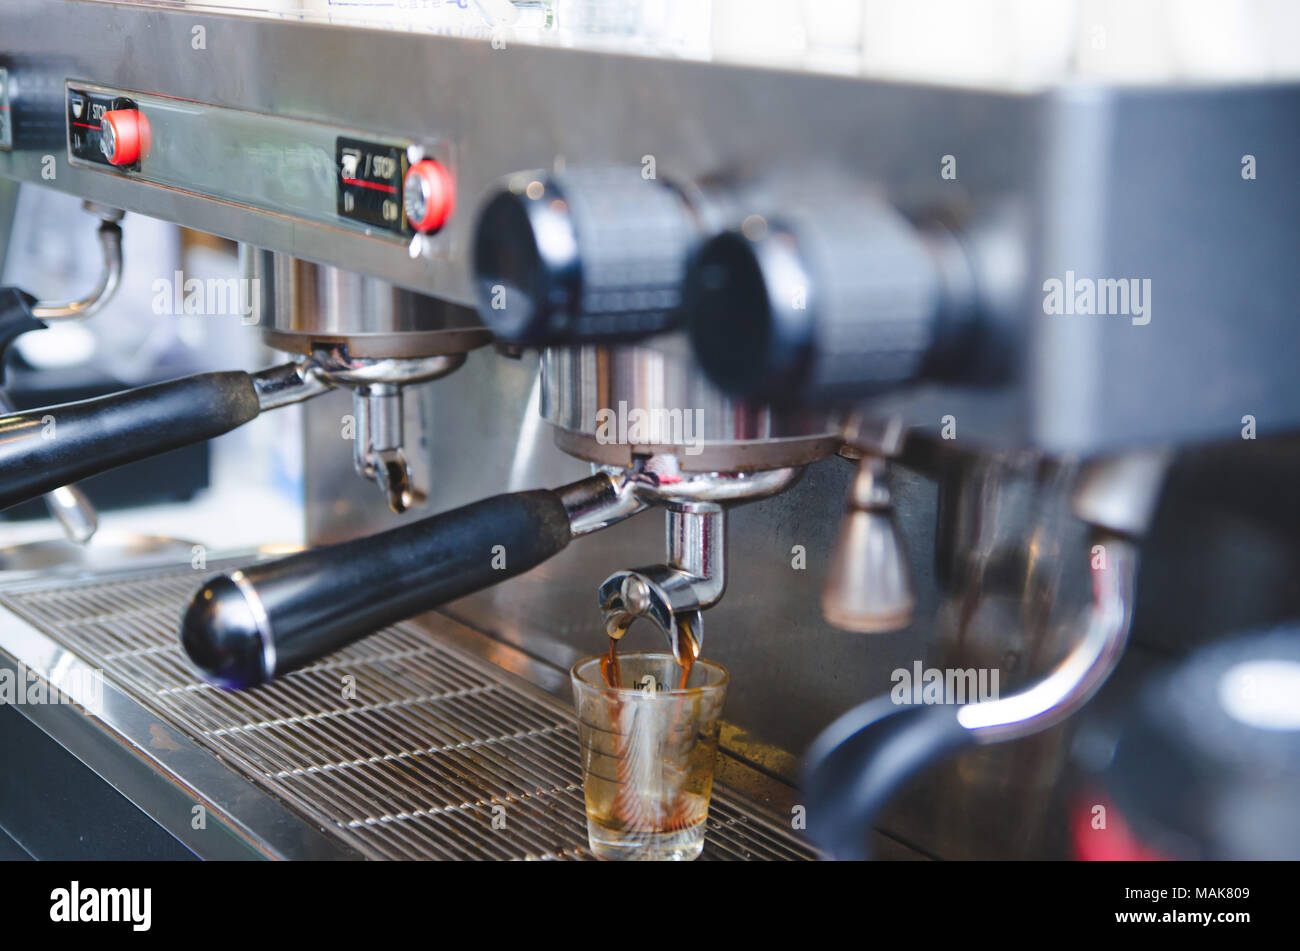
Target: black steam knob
590,254
837,303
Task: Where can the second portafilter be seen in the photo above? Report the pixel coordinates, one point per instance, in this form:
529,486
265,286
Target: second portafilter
367,336
344,330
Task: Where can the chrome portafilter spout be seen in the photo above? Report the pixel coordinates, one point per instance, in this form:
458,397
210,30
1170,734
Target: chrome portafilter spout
673,594
368,336
377,386
862,759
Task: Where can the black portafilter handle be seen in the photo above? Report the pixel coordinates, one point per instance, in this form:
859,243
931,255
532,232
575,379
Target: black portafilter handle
857,764
246,627
15,320
42,449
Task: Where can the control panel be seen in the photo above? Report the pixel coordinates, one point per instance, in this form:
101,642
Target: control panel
104,129
384,187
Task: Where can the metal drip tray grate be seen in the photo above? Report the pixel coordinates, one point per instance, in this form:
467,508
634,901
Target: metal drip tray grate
402,746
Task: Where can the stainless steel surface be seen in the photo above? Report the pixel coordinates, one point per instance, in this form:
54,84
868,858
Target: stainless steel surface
614,495
377,444
660,481
1120,494
269,163
60,557
414,88
364,334
673,594
164,772
869,587
696,536
302,306
340,366
378,409
652,593
1039,167
288,383
612,403
401,746
598,502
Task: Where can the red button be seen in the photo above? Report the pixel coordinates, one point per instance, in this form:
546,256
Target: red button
427,195
124,136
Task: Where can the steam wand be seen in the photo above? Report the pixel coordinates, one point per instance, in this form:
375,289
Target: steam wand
860,761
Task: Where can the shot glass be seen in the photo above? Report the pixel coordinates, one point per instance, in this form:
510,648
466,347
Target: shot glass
648,747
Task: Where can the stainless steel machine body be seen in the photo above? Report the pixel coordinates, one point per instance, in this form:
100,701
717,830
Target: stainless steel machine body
1063,179
1057,183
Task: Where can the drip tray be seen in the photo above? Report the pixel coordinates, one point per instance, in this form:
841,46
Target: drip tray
401,746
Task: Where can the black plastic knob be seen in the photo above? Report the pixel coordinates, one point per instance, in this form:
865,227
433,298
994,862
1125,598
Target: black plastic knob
591,254
835,304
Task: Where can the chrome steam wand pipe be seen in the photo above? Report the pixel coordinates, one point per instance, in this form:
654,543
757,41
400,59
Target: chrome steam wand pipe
110,276
1117,496
1074,680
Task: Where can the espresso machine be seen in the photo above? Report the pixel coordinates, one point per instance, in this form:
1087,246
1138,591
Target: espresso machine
886,385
